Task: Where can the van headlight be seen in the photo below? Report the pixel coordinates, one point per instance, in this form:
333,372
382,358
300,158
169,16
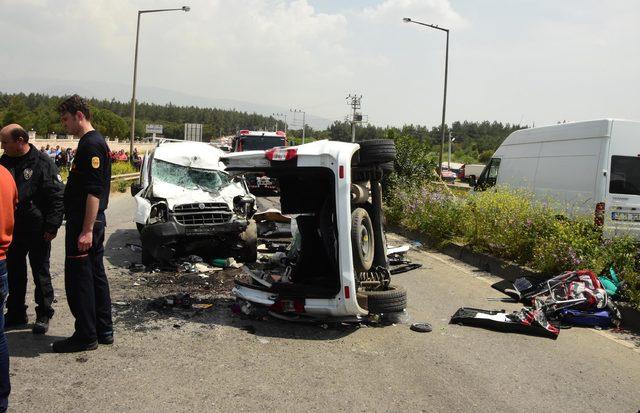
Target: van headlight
158,213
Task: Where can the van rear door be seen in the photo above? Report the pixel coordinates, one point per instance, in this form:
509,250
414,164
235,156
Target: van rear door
622,214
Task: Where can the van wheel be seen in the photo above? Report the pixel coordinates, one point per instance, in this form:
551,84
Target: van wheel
377,151
362,241
392,300
249,237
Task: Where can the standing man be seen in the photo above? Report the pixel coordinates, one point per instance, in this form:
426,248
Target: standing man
85,199
8,201
37,219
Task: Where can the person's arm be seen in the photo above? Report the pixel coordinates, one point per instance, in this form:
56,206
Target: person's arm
96,163
53,198
85,240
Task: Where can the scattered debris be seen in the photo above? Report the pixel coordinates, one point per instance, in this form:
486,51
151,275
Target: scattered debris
82,359
421,327
397,257
202,306
398,250
526,321
572,298
405,268
136,267
134,247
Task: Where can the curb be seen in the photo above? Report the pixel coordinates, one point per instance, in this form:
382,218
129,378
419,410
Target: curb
506,270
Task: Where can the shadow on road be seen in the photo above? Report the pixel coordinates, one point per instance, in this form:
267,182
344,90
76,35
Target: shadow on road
145,315
118,251
23,343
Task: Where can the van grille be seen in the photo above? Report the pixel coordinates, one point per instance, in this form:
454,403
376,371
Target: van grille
205,213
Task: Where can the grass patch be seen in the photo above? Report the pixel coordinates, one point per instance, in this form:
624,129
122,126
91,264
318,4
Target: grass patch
510,224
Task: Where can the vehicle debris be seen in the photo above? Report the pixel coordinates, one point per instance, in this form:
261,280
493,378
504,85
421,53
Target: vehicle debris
573,298
421,327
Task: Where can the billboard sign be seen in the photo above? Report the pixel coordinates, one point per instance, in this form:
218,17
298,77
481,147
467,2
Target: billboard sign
193,132
155,129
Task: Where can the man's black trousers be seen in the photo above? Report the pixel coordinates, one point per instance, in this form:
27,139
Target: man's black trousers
86,283
39,252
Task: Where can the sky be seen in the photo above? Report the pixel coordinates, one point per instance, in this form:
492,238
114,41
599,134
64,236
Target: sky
532,62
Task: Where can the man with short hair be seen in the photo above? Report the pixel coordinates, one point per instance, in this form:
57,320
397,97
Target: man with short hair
37,219
8,201
85,199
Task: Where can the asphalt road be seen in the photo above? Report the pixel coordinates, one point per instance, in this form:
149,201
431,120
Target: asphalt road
215,361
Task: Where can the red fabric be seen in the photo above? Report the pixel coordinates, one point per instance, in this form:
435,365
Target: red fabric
8,202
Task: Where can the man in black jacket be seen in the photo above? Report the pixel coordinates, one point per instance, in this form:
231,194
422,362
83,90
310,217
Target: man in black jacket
37,219
86,198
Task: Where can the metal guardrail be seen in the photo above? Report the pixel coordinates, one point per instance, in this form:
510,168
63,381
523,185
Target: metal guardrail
125,177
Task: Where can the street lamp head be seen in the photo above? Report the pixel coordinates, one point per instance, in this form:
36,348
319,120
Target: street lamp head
186,8
406,20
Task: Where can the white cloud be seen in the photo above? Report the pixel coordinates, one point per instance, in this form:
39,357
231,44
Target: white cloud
433,11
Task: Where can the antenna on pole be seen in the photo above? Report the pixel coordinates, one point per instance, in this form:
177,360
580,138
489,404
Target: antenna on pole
355,102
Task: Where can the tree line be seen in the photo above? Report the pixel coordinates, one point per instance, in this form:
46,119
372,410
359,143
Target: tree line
474,141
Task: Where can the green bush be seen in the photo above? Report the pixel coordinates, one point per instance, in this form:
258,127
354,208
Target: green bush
510,224
123,185
119,168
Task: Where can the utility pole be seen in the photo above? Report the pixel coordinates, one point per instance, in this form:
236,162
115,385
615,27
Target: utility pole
354,102
449,159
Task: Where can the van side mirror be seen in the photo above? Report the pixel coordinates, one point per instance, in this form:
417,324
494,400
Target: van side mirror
135,188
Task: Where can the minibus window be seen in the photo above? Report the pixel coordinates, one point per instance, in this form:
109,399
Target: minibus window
625,175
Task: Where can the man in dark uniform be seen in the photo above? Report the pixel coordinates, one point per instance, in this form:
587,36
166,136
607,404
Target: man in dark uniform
37,220
85,199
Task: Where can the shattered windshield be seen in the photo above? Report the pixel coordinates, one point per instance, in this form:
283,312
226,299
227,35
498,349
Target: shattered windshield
189,178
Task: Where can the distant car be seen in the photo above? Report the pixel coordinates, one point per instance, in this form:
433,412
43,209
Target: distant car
448,175
187,204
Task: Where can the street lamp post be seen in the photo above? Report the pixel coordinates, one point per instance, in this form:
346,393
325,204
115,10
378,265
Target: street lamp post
444,101
135,72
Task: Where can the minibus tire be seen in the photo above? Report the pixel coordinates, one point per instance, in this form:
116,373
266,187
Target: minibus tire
361,221
377,151
392,300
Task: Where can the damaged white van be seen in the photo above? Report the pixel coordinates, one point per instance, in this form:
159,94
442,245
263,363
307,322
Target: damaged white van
187,204
333,192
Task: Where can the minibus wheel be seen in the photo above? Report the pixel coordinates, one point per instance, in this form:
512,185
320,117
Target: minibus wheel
362,240
377,151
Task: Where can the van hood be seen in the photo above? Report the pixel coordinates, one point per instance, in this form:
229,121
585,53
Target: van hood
176,195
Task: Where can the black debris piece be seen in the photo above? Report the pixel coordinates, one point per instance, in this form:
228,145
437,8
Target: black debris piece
421,327
525,321
405,268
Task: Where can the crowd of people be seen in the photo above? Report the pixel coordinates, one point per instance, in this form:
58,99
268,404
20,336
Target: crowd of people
63,157
33,203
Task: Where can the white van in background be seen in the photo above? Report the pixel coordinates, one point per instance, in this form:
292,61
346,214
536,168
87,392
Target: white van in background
589,167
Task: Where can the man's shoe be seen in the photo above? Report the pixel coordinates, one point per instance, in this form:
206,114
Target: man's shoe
41,325
105,338
72,345
14,321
